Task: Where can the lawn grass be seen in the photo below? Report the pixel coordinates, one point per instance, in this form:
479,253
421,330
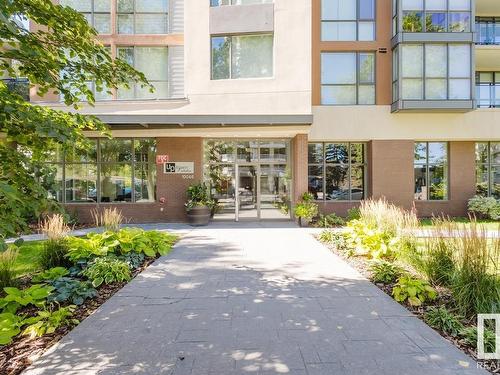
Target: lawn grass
489,224
28,258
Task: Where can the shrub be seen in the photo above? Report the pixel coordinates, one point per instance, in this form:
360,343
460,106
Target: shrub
7,263
484,207
438,260
415,291
15,298
476,282
353,214
370,241
385,272
326,236
306,209
442,319
55,228
50,275
54,254
469,336
10,326
328,221
67,289
107,270
110,218
46,322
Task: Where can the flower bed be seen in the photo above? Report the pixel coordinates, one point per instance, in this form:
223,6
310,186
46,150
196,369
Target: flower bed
38,309
445,279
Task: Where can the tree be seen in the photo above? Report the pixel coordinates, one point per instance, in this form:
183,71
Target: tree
61,57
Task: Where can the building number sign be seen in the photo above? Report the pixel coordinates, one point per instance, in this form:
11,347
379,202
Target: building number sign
179,167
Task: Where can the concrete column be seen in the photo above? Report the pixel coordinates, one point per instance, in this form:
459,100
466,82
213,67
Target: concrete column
299,159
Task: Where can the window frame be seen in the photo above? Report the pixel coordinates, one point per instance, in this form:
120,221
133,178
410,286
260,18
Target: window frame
494,89
323,165
230,57
358,20
134,16
98,163
92,14
428,167
357,84
489,164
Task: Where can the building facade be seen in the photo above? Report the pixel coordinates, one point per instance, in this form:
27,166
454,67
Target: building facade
264,100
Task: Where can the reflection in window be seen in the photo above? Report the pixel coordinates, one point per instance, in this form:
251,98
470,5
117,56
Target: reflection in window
347,78
153,62
142,16
337,171
347,20
97,12
488,169
435,16
109,170
244,56
431,170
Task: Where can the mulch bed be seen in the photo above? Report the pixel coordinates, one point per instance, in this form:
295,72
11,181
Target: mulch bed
18,355
362,265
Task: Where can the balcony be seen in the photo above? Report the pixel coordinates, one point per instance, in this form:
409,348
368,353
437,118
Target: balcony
487,31
20,86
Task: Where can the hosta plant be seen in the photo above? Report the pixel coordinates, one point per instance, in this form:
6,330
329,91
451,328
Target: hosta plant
370,241
10,326
107,270
46,321
133,259
86,248
15,298
160,243
442,319
50,275
413,291
71,290
385,272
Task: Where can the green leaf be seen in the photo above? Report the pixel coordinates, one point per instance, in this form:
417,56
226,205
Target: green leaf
97,282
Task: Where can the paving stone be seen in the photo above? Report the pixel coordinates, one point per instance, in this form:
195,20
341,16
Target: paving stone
252,299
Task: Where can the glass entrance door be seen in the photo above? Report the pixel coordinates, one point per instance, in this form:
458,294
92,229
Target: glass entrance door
247,198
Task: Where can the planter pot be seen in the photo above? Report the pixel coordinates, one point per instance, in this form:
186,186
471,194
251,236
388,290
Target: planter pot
198,216
304,222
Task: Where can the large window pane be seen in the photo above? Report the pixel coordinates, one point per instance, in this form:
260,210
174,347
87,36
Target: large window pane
78,5
495,152
482,180
145,182
366,31
459,4
81,182
55,180
435,22
125,24
412,22
482,152
338,95
459,60
338,68
366,94
315,182
102,6
220,57
412,64
435,5
337,153
435,60
357,183
153,62
495,181
338,9
438,182
412,4
156,6
367,9
460,89
338,31
459,22
435,89
438,152
116,150
145,150
421,188
102,23
366,68
420,153
337,183
315,153
151,24
357,153
116,183
411,89
252,56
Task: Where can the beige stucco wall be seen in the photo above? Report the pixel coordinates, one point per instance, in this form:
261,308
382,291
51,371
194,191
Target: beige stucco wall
377,123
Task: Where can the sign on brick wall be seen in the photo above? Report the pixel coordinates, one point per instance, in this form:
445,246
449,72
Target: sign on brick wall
179,167
162,159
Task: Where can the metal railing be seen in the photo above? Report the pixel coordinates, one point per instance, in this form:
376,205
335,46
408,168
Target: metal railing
488,32
488,95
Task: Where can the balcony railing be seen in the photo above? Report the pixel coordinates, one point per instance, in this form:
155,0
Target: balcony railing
488,95
488,31
20,86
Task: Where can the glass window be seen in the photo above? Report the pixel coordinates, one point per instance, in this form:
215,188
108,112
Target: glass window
347,78
488,30
153,62
431,170
488,169
488,89
433,72
142,16
347,20
337,171
109,170
248,56
97,12
216,3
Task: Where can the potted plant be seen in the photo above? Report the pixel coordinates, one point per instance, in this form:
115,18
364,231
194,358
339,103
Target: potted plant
198,204
306,209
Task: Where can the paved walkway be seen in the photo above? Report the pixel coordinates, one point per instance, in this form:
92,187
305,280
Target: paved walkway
252,299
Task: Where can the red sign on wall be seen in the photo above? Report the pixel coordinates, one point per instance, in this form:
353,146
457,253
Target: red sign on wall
161,159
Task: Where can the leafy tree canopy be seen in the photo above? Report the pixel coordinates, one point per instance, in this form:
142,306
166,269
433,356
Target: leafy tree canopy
59,56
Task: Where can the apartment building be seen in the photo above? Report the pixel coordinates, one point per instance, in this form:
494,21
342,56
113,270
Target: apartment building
265,100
